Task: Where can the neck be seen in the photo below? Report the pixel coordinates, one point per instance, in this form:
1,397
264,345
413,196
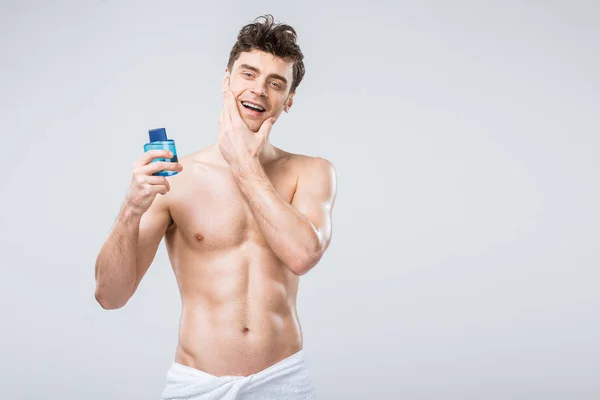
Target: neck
268,153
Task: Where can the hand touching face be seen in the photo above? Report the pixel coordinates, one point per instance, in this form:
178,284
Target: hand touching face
237,142
260,83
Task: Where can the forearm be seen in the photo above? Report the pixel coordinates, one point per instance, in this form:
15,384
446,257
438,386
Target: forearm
116,263
291,236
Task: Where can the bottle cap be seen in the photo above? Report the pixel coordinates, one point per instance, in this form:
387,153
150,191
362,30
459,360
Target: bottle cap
157,135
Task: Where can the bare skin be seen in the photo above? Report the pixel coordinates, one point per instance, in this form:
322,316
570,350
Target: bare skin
238,299
242,221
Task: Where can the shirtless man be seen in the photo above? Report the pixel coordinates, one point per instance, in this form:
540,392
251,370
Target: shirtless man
242,221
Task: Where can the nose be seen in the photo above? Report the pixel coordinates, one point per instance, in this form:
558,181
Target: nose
259,88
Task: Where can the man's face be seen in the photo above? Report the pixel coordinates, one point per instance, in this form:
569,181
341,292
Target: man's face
262,80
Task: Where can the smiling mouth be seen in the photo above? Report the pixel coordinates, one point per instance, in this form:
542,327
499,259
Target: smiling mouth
252,106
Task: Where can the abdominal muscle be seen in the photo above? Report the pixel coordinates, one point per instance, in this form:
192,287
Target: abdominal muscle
238,308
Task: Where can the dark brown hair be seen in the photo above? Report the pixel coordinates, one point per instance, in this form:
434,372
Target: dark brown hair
274,38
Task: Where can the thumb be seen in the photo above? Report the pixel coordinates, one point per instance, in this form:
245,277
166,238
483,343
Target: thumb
265,128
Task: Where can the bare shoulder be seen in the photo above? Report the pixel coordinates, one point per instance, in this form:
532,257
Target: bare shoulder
316,177
203,155
201,161
312,166
194,166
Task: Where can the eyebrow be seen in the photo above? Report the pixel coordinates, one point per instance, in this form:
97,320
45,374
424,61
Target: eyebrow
276,76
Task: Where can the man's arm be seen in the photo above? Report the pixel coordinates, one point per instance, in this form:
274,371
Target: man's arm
300,232
128,252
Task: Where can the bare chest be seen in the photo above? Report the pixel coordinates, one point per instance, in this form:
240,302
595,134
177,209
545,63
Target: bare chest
210,212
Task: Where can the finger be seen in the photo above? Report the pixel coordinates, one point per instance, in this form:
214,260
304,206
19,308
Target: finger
234,113
265,128
160,166
151,155
151,183
225,115
159,189
157,181
164,191
222,124
161,185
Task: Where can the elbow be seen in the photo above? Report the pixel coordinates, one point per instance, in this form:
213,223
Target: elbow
305,260
107,303
299,271
304,263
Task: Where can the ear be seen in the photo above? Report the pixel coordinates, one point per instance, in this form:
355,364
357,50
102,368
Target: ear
225,83
289,102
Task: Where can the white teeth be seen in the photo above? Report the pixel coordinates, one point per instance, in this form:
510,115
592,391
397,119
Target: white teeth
253,106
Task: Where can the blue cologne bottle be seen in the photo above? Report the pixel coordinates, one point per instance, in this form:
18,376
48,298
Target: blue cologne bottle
159,141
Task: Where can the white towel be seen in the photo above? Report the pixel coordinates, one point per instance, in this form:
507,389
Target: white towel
288,379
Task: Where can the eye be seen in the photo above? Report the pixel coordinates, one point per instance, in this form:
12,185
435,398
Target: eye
276,84
248,74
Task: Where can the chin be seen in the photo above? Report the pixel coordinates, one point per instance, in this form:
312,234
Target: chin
254,125
255,129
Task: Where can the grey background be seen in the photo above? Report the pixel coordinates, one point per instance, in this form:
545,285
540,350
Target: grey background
464,261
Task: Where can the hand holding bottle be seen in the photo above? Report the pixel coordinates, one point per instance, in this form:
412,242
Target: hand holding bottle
144,184
159,141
